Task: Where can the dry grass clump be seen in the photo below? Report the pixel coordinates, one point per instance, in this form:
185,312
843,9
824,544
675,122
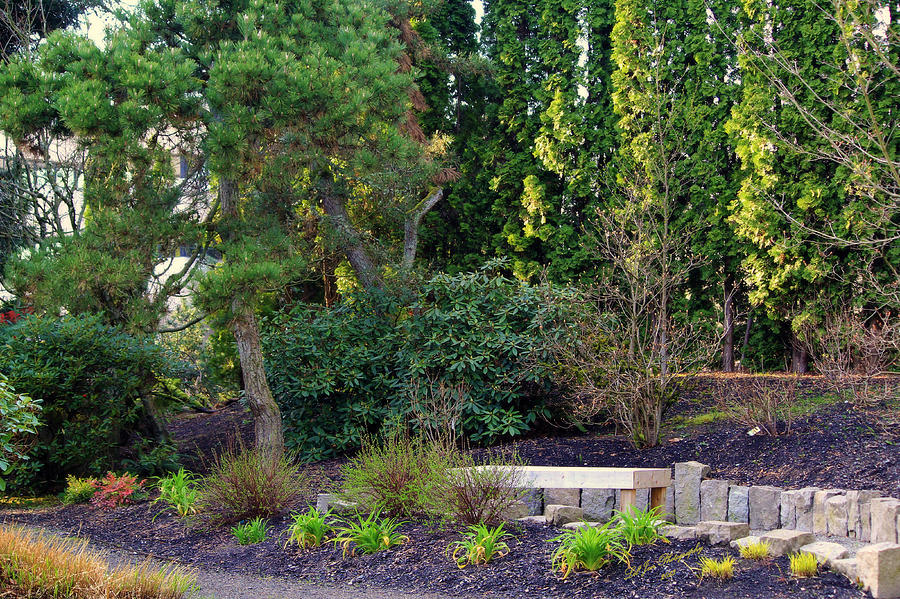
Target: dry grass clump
37,566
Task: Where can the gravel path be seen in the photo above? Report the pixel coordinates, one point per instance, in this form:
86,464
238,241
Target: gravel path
225,585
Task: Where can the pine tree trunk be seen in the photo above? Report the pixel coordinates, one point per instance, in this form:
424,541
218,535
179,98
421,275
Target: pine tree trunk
356,253
268,433
267,428
728,341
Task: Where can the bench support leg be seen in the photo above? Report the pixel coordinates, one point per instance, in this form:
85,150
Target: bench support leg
628,499
658,498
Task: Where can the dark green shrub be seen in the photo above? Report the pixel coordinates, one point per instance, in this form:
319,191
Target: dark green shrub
18,425
342,374
92,380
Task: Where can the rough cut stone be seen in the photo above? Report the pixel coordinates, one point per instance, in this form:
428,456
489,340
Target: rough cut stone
739,504
744,542
687,491
858,514
765,504
803,507
598,504
820,521
534,499
788,511
783,541
885,512
669,512
562,497
826,552
582,524
878,567
721,533
680,533
714,499
847,567
836,509
534,519
326,502
563,514
517,510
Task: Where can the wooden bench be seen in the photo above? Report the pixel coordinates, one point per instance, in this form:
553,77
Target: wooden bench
627,480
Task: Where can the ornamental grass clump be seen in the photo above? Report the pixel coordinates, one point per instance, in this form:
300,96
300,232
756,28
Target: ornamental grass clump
309,529
398,476
804,565
243,484
369,535
755,551
639,527
590,549
479,546
480,492
722,569
43,566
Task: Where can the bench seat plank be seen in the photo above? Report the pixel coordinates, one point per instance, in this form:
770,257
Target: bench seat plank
574,477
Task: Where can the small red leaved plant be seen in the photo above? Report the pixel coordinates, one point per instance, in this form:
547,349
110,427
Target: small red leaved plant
114,491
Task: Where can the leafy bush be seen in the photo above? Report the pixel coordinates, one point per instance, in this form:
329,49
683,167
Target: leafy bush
398,476
589,548
341,374
18,425
640,527
179,491
248,483
755,551
479,546
95,384
369,535
479,492
114,491
252,532
46,566
308,529
722,569
79,490
804,565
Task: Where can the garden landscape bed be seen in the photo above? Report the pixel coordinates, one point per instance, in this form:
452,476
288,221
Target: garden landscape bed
836,445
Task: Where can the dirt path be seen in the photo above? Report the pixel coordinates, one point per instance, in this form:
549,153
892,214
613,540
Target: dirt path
225,585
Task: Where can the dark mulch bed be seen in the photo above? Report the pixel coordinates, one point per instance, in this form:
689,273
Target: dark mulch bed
659,571
838,446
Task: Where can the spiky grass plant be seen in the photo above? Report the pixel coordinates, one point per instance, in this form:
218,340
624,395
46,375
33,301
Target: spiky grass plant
804,565
40,565
589,549
252,532
369,534
722,569
480,545
309,529
755,551
179,492
640,527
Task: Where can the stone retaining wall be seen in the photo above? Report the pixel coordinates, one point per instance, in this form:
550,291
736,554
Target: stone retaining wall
692,497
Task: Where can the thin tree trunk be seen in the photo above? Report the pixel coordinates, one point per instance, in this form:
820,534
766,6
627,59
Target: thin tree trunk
728,341
411,227
799,357
356,253
746,344
268,433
